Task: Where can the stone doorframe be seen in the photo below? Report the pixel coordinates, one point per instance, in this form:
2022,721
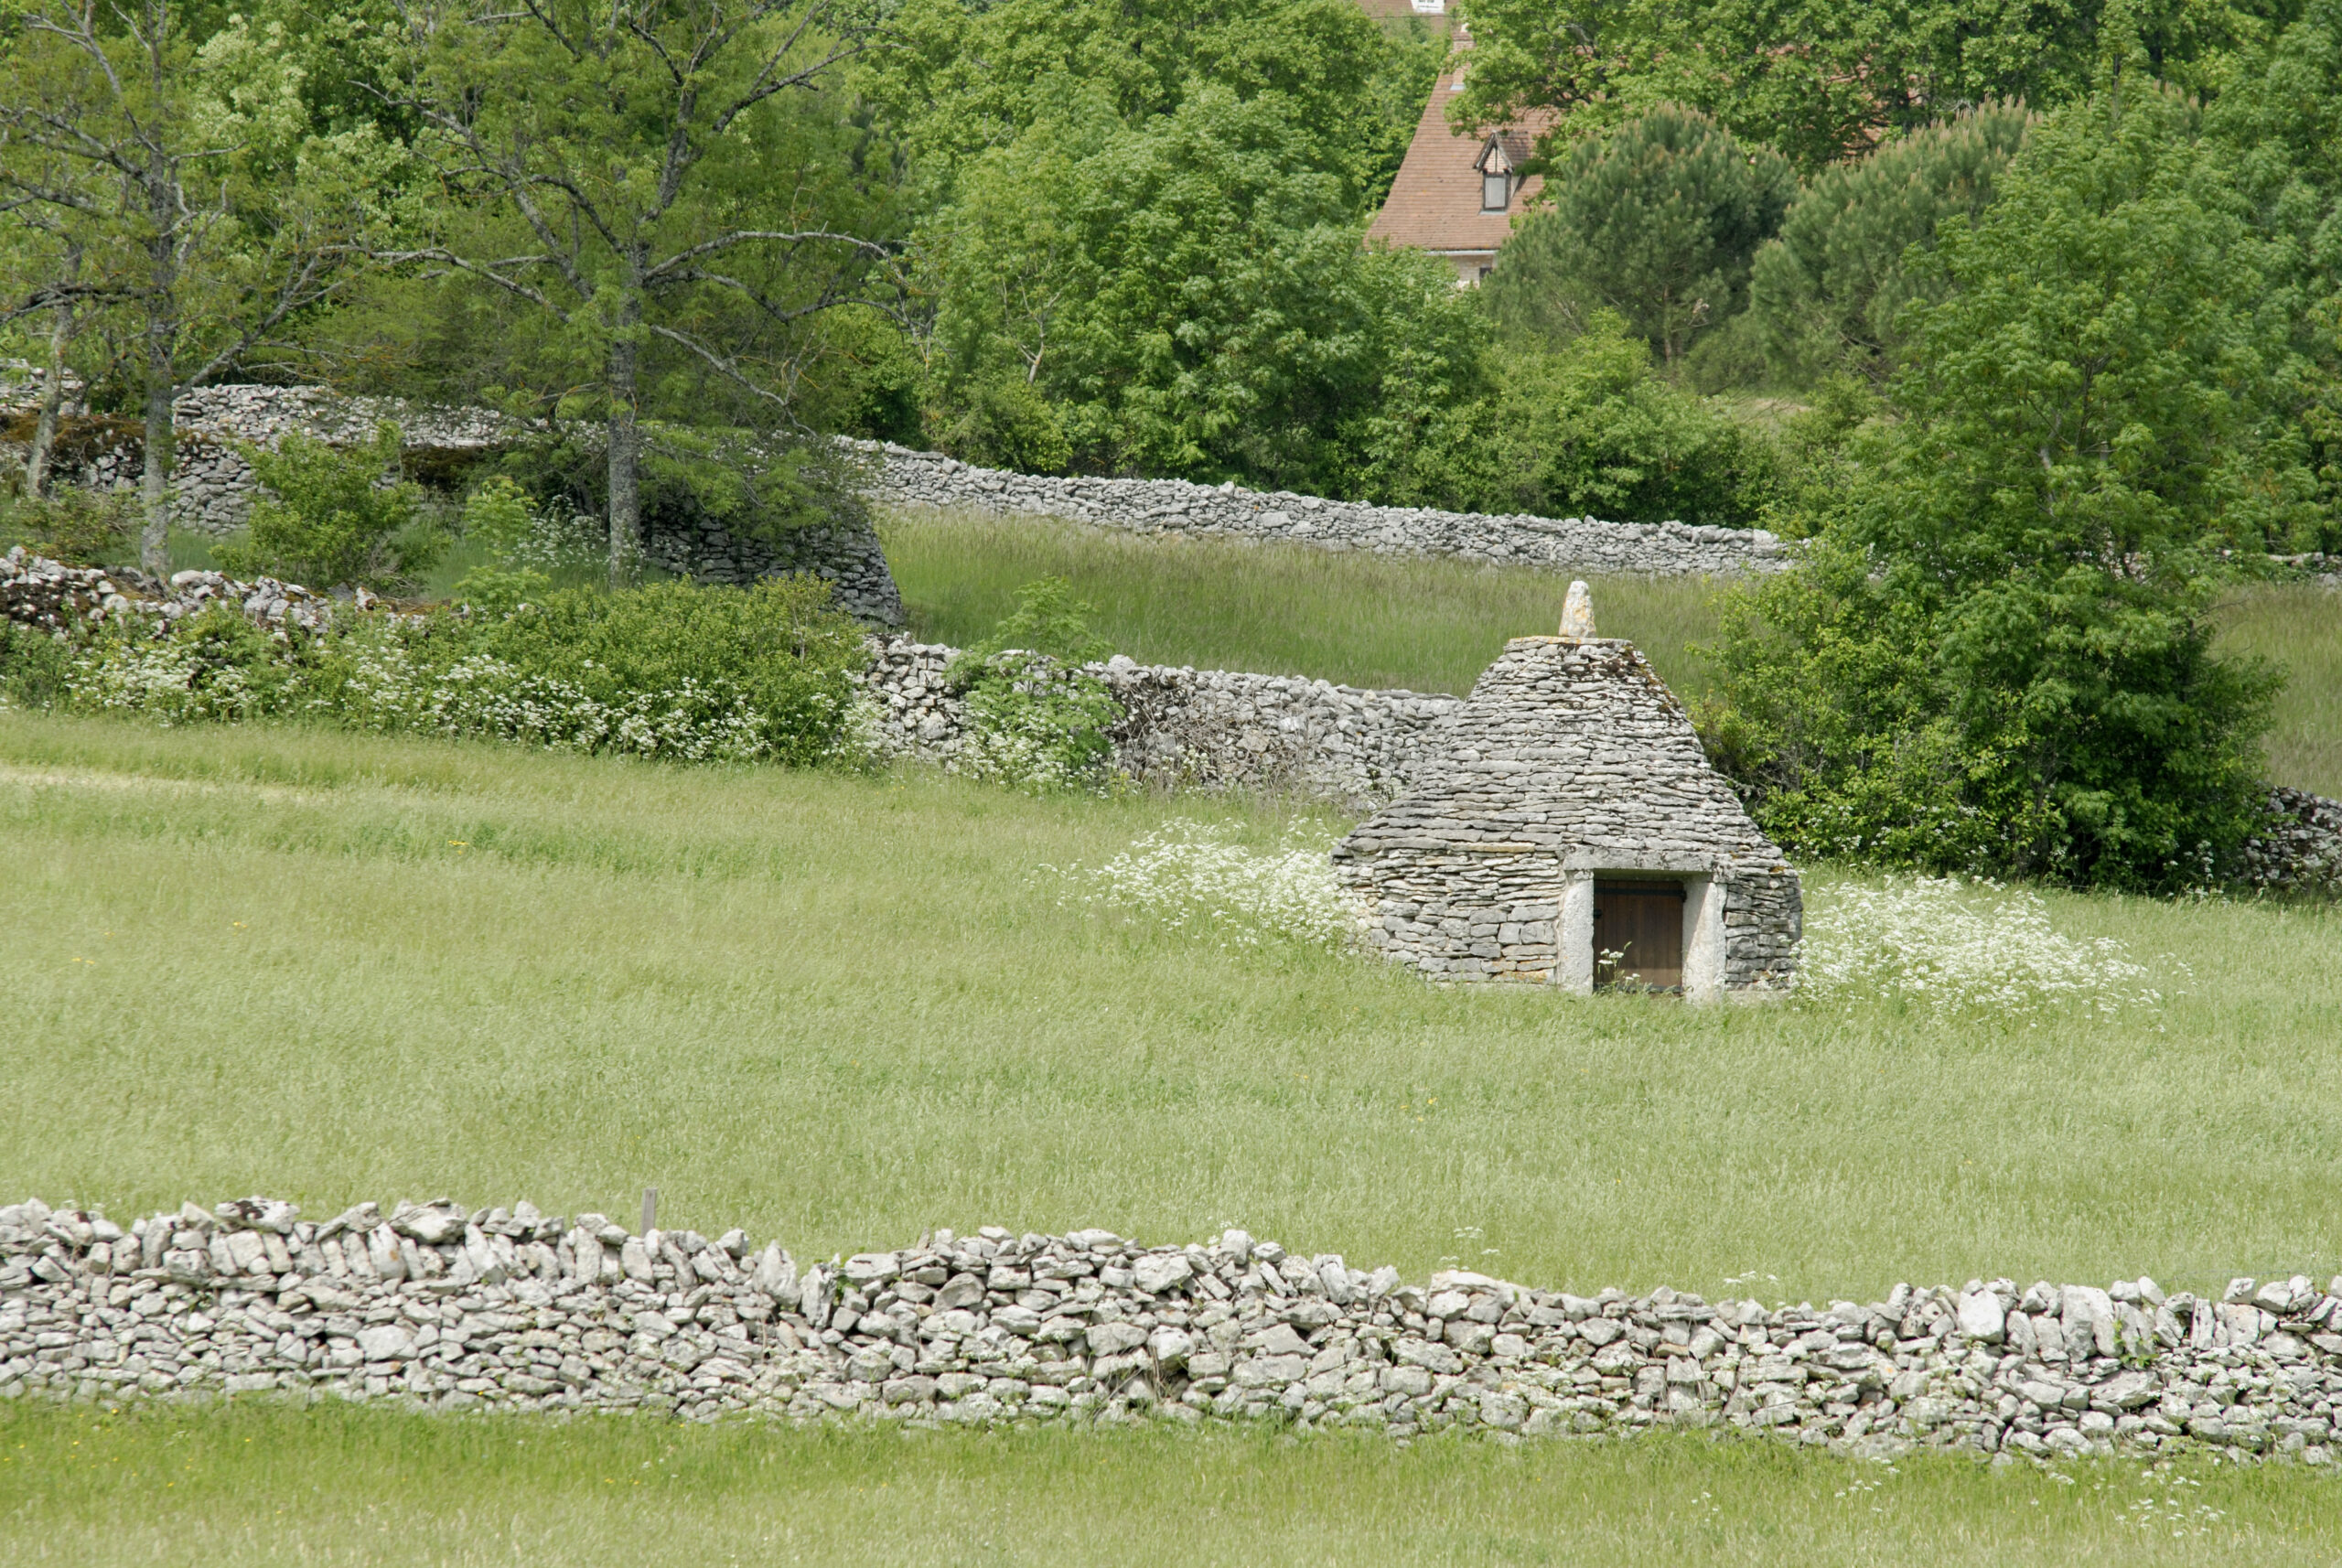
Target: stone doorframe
1703,929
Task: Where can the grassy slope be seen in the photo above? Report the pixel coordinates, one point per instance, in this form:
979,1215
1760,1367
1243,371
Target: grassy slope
1361,619
1371,620
844,1010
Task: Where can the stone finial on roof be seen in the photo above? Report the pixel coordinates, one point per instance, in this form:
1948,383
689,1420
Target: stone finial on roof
1577,613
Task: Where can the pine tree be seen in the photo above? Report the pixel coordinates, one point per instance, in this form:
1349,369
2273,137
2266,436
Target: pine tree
1657,221
1825,295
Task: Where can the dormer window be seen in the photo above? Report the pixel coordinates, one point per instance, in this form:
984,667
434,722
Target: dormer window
1497,181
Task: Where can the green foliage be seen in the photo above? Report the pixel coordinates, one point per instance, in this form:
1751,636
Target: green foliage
1657,221
77,526
499,518
1823,297
1586,427
1034,717
332,521
964,80
1821,81
2000,655
34,665
1186,296
1047,620
670,670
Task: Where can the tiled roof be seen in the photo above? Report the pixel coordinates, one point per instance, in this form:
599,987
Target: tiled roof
1434,204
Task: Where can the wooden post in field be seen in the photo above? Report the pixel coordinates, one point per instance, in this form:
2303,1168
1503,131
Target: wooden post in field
650,1209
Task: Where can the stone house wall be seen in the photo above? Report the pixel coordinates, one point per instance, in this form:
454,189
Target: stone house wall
1569,759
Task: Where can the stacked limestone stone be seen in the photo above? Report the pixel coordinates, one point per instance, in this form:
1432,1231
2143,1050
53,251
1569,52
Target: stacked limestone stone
910,477
2301,851
59,599
515,1309
1182,727
1571,759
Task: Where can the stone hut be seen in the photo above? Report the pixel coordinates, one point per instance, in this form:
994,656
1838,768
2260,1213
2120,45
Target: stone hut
1570,833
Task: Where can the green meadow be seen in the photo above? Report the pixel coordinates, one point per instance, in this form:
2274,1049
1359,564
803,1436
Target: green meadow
841,1009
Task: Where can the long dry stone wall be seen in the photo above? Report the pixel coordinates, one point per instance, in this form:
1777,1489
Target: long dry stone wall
508,1308
906,476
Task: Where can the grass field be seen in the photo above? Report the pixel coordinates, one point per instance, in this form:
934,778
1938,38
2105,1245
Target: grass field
841,1010
1433,625
1430,624
343,1486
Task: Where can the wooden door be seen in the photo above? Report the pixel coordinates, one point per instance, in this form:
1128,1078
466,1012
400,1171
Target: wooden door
1643,922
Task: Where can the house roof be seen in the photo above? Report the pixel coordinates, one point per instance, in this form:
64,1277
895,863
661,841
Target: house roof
1435,203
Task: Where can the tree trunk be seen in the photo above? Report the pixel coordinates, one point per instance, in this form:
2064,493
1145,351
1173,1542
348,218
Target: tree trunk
625,447
162,363
162,438
52,386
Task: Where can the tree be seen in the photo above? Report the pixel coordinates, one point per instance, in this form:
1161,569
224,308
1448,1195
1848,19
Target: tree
1824,295
2000,656
1821,81
1582,428
1190,295
163,146
629,174
963,78
1657,220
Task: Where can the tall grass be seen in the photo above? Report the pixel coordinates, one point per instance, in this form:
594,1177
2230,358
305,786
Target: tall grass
1349,616
258,1486
2298,626
1433,625
841,1010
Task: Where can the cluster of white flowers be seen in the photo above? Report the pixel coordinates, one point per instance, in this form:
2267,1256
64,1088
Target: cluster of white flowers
1198,875
383,689
1953,946
166,680
557,538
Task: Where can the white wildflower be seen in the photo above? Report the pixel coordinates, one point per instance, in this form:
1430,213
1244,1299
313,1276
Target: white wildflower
1950,946
1196,874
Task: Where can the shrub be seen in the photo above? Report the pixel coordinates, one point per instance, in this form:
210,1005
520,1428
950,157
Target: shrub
673,670
332,521
77,526
1586,427
1034,717
213,666
35,666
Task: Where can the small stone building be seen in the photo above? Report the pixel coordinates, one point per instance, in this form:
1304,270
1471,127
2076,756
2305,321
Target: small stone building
1570,833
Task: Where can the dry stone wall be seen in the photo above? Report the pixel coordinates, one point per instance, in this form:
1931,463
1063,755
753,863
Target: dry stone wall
910,477
1193,728
450,1309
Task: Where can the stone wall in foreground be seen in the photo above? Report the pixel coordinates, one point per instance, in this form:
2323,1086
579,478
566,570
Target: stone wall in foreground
449,1309
906,476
